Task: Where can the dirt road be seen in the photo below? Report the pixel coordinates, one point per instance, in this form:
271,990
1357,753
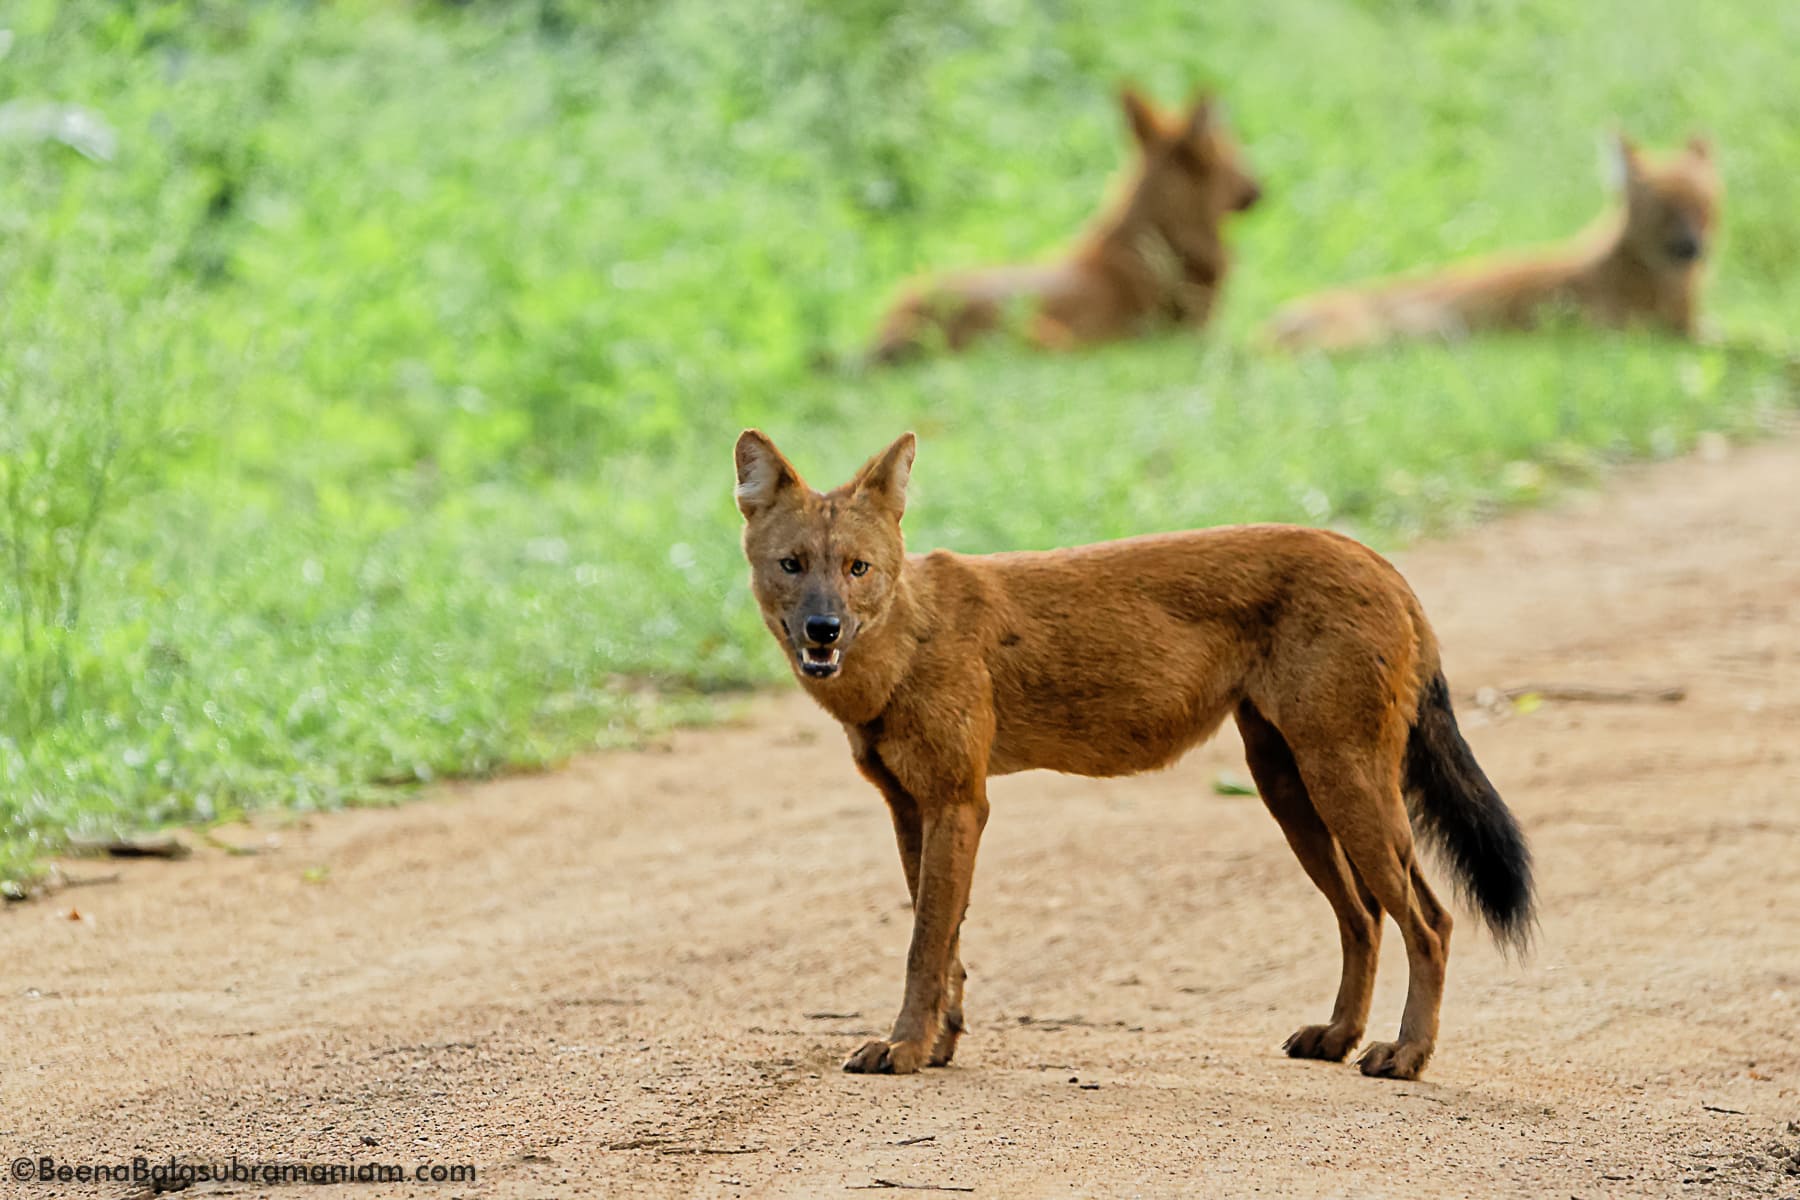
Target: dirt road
639,975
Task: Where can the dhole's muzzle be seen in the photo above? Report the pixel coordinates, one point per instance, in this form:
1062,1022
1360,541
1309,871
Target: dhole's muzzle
820,643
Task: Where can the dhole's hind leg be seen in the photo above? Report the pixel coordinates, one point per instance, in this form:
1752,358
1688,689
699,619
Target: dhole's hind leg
1355,786
1358,915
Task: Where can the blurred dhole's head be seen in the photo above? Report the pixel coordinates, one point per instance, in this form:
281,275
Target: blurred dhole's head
823,566
1192,173
1671,203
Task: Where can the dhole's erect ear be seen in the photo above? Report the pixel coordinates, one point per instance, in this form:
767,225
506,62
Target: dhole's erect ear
1200,118
1624,164
1146,125
884,477
761,472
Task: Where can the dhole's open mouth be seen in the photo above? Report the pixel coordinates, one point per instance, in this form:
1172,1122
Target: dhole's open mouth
820,662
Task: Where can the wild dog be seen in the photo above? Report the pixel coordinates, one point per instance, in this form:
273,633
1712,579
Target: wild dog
945,669
1159,259
1644,262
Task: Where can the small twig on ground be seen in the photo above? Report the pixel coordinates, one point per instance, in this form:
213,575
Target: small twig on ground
1424,1096
1585,693
917,1141
1736,1112
830,1016
70,881
911,1187
1052,1024
1582,693
218,843
663,1145
1230,783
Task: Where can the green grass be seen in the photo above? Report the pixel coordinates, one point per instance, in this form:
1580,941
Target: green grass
404,344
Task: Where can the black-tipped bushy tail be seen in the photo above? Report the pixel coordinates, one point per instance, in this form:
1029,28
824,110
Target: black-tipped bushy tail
1455,808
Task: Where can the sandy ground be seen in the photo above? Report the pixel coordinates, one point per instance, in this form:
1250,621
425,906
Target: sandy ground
639,975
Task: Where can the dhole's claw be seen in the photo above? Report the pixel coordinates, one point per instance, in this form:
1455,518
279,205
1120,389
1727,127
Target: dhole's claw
1328,1042
1393,1060
944,1049
886,1058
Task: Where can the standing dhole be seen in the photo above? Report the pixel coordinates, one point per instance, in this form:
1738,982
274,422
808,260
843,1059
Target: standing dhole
1159,259
1110,659
1645,262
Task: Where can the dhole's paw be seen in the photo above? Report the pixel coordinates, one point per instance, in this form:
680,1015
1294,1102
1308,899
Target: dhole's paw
887,1058
1393,1060
1328,1042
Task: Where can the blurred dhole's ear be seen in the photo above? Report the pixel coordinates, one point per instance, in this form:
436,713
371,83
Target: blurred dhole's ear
1146,125
1200,118
1624,164
884,478
761,472
1700,146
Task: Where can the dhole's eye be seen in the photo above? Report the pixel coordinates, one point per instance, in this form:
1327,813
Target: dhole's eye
859,567
791,565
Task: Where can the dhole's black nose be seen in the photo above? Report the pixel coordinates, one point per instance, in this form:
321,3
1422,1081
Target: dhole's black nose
1684,247
822,631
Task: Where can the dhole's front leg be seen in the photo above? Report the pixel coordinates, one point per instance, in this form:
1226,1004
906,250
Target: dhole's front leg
950,832
909,836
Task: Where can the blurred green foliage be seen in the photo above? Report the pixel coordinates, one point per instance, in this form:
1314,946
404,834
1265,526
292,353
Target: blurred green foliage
369,371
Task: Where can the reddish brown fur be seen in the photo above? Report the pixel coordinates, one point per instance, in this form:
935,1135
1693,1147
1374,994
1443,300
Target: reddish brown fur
1107,660
1632,267
1159,259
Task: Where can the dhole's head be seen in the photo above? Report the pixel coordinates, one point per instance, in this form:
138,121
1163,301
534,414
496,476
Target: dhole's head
1192,173
824,566
1671,203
